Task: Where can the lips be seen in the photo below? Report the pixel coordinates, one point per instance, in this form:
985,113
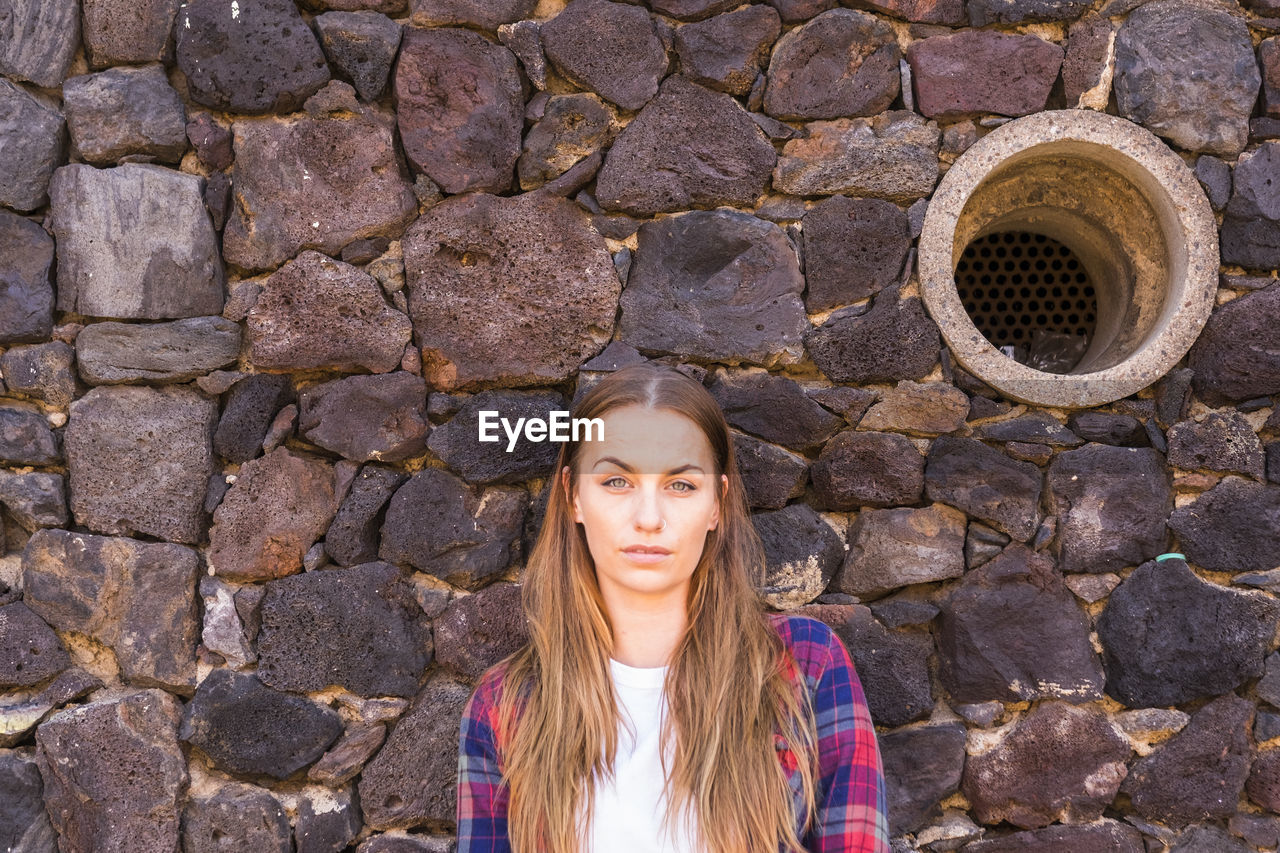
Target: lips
645,549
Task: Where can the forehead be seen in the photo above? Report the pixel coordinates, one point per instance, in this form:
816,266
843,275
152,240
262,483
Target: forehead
649,440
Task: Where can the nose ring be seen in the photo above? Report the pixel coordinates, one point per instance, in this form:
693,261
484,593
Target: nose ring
663,526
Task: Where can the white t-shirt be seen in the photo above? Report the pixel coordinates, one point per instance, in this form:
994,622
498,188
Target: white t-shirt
629,809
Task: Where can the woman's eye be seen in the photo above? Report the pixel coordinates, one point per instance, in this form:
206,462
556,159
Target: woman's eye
614,480
691,487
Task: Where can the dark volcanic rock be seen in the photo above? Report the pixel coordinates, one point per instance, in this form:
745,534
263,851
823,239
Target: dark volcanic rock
922,766
314,183
1199,773
890,548
109,352
40,41
238,816
497,459
25,437
114,769
774,408
801,551
611,49
1111,504
853,248
358,628
1105,836
895,339
1232,527
361,46
124,111
30,650
353,536
893,666
26,268
1222,441
1250,229
728,51
1169,637
125,32
572,128
689,147
986,484
33,142
249,729
461,534
251,405
893,155
1237,356
1011,630
315,312
137,598
414,777
255,57
717,285
1155,50
876,469
478,630
381,417
139,459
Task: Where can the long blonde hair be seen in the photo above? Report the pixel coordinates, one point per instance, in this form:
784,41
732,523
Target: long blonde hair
735,695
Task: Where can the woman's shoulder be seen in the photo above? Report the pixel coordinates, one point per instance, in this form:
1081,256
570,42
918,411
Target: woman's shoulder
483,703
810,641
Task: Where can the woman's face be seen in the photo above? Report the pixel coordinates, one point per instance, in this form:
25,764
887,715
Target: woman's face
649,483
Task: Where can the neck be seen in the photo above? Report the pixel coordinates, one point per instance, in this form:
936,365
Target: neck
646,637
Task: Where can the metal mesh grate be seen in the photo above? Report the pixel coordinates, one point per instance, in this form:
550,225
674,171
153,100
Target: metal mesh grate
1025,290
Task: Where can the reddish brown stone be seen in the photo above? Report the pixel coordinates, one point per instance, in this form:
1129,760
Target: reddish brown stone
1059,763
125,32
842,63
1085,61
949,12
315,312
983,71
485,14
484,272
307,183
279,506
459,108
893,156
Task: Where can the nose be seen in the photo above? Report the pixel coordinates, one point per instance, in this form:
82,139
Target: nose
648,511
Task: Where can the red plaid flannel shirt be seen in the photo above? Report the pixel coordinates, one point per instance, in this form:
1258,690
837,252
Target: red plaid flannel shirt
852,814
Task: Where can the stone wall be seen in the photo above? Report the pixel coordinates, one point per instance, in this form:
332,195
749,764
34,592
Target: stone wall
261,265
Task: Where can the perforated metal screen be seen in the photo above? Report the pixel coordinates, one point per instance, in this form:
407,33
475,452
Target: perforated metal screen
1014,282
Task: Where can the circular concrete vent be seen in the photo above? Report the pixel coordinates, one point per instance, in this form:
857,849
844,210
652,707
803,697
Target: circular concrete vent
1069,258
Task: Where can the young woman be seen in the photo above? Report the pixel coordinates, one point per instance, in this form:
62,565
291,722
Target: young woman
646,627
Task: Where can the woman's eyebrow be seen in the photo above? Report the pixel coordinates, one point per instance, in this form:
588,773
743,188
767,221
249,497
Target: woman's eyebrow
625,467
